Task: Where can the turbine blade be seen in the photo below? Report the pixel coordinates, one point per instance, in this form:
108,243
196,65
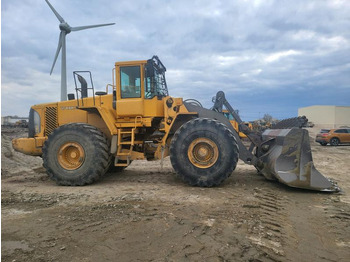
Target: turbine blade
55,12
60,41
78,28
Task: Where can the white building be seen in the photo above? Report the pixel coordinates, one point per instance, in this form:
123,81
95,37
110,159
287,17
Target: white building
327,116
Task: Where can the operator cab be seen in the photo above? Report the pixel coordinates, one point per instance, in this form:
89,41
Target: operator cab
141,87
154,82
138,89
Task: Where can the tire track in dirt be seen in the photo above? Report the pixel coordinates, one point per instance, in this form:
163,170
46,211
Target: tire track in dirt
310,228
338,220
146,213
269,237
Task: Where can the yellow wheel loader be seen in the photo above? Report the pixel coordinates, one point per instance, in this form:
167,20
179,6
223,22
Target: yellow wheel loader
135,118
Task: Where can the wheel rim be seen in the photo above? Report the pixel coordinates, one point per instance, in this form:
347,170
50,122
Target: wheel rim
203,153
71,156
334,142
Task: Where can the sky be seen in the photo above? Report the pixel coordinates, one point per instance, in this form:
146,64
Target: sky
269,57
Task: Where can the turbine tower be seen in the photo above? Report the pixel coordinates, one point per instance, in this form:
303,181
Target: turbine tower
65,29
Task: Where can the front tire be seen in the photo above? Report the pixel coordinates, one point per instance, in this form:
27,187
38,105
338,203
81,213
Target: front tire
203,152
76,154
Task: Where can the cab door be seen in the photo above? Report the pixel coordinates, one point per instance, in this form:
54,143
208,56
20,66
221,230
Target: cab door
130,94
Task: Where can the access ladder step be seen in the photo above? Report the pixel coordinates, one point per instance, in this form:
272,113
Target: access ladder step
124,154
129,142
125,132
121,164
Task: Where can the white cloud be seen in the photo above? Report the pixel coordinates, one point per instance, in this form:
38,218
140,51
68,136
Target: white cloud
338,3
226,61
278,55
334,43
37,87
323,42
245,48
252,73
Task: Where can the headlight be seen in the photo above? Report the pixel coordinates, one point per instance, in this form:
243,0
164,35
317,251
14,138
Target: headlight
37,124
34,125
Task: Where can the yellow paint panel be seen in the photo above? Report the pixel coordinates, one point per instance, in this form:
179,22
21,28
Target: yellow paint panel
130,107
153,107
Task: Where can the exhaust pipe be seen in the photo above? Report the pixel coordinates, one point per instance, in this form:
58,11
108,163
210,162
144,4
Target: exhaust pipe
286,157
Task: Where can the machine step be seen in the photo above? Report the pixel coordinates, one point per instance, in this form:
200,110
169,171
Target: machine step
121,164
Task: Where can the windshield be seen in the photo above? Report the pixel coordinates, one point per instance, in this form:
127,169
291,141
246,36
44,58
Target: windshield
228,115
155,84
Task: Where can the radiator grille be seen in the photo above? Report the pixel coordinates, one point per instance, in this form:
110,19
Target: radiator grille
50,120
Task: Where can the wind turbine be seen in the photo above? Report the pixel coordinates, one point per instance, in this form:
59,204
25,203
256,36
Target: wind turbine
66,29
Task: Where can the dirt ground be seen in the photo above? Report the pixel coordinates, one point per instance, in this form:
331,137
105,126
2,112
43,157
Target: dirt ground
146,213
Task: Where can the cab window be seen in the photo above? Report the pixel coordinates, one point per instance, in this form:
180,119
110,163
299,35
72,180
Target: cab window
130,81
228,116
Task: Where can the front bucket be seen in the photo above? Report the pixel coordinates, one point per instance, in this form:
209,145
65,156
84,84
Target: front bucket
286,156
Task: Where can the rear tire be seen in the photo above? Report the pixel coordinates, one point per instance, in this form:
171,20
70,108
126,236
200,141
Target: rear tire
76,154
323,143
203,152
334,141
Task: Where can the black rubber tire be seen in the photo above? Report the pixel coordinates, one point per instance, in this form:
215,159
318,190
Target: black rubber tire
96,151
323,143
334,141
223,139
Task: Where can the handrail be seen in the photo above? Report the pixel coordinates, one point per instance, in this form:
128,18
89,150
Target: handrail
109,85
79,90
113,75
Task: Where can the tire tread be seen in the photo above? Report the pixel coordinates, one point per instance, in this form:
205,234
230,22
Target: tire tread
200,124
101,155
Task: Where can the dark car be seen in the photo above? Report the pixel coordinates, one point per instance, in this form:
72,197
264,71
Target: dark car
333,136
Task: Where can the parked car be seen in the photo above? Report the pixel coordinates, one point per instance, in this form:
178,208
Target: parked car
333,136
